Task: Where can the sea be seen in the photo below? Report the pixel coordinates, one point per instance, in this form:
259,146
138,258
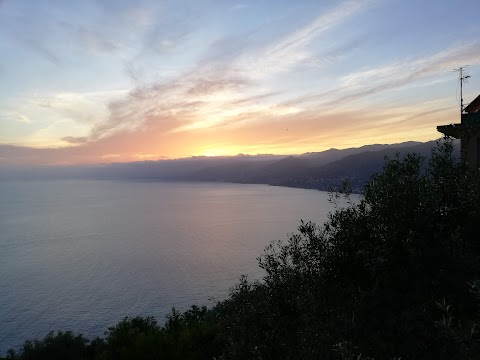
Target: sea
81,255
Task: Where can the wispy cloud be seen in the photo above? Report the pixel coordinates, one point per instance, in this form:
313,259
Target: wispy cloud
42,49
80,107
91,40
23,119
19,117
75,140
215,93
292,49
371,81
190,102
393,76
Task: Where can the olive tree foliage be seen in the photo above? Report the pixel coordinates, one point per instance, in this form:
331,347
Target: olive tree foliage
191,335
54,346
369,280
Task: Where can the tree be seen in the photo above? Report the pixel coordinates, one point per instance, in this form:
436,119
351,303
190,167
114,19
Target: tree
55,346
370,278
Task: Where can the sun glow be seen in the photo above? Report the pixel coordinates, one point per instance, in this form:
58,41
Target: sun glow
217,151
212,153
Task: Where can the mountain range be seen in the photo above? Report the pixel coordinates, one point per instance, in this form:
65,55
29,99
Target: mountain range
314,170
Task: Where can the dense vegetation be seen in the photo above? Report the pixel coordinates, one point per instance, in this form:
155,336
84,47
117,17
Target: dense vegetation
393,276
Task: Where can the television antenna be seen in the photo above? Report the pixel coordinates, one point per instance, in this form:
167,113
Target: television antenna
462,77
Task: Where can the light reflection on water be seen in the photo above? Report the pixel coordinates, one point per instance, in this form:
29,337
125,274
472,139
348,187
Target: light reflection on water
81,255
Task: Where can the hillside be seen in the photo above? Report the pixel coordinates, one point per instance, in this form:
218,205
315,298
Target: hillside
357,167
321,171
314,170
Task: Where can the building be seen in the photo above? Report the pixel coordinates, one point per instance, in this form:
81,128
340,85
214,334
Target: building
468,131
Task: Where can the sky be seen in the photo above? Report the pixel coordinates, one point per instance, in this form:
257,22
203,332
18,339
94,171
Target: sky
100,81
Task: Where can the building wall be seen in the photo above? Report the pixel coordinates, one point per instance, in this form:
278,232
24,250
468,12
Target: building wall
471,151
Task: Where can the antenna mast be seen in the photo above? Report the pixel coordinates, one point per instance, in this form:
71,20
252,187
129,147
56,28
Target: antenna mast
462,77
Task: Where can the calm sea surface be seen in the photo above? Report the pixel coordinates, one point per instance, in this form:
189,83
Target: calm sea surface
81,255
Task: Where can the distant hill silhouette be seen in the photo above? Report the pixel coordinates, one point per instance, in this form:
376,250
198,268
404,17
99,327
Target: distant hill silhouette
357,167
320,170
314,170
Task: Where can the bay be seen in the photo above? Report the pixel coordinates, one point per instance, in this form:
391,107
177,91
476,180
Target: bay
81,255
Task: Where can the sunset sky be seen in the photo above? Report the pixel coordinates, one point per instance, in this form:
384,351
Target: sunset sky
108,81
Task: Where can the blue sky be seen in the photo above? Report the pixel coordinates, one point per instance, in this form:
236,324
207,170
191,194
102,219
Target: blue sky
101,81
